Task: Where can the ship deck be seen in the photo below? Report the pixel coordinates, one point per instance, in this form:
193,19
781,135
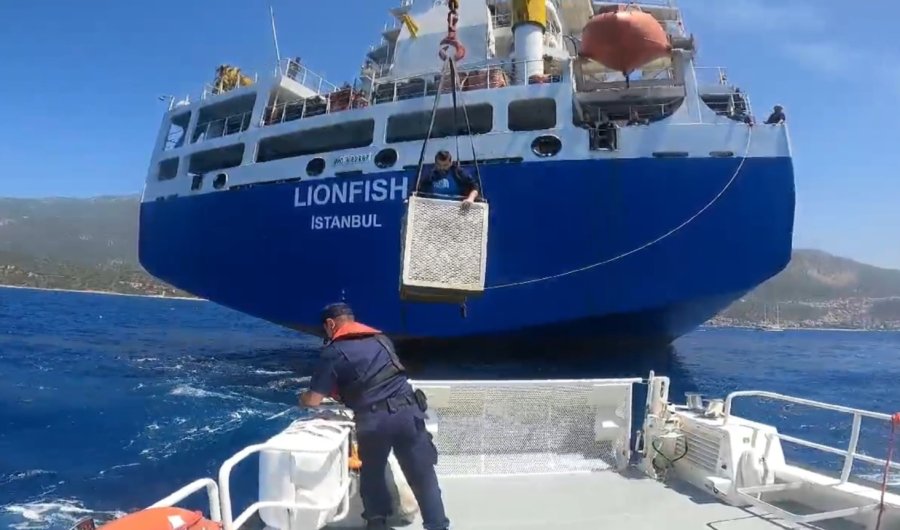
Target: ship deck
571,501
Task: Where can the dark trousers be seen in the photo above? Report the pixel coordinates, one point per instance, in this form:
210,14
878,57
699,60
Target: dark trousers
404,432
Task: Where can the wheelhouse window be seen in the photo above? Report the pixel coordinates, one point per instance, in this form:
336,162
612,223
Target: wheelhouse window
532,114
413,126
348,135
167,169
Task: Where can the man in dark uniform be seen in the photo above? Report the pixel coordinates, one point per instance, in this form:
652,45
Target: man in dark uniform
447,178
359,366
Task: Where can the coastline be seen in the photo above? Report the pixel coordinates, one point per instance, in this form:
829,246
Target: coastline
107,293
791,328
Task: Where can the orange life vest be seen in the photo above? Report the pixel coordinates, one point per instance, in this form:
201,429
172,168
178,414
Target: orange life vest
163,519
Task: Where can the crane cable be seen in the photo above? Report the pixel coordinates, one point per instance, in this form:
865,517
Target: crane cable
449,70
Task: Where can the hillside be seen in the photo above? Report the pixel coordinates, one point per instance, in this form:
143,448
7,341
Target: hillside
92,244
817,289
80,244
96,231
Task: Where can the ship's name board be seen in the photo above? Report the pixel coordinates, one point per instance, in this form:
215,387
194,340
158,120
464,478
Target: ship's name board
349,192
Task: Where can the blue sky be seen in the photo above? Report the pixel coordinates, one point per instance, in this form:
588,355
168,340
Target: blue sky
81,82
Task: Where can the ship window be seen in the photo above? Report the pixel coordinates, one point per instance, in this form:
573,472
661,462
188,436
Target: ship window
532,114
347,135
414,125
177,130
213,159
167,169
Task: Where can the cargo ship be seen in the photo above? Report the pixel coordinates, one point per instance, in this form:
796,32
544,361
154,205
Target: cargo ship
632,194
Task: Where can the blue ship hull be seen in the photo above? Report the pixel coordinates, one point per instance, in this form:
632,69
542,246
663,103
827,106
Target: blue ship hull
265,251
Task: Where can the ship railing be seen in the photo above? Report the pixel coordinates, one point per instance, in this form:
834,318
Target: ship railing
482,76
344,98
711,75
212,494
851,454
211,90
221,127
341,499
639,3
294,69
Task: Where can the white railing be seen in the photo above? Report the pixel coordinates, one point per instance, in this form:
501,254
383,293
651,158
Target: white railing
342,499
711,75
850,454
471,77
212,493
343,99
221,127
296,70
209,89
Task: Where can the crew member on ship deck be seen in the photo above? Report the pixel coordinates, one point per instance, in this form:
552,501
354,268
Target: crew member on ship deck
777,116
448,179
359,365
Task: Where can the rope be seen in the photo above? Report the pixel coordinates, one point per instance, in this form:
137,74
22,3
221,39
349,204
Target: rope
471,142
895,421
434,109
450,67
645,245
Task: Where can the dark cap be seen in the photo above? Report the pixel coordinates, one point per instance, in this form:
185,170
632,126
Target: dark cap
335,310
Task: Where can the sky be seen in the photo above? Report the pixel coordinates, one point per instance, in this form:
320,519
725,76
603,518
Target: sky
81,82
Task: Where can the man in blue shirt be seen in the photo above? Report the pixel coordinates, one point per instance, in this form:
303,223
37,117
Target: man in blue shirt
360,367
448,179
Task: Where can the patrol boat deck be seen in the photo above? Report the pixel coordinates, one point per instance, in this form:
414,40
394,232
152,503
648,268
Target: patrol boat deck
560,454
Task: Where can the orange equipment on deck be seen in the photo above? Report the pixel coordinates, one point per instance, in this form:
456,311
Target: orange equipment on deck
162,519
624,38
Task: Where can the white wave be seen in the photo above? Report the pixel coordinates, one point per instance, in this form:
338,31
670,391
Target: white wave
22,475
58,512
188,390
893,478
120,466
271,372
145,359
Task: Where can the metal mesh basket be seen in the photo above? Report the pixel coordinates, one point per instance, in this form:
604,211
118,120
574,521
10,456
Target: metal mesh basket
530,426
444,246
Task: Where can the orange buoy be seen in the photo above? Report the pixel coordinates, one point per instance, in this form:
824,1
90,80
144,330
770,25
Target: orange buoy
162,519
624,39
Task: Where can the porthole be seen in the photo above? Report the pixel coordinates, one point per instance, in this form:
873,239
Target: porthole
315,167
220,181
546,146
386,158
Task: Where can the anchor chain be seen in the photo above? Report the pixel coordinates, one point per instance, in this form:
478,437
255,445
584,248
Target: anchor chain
451,40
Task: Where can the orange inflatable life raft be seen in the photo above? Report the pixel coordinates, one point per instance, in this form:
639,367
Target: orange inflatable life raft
624,39
162,519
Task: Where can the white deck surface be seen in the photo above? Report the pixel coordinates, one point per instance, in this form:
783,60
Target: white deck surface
601,500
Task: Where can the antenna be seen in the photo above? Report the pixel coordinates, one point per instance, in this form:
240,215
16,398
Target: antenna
275,36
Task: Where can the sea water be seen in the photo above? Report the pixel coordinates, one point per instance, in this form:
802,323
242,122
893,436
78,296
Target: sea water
109,403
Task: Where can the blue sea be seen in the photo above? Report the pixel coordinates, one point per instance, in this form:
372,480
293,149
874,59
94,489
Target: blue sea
109,403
